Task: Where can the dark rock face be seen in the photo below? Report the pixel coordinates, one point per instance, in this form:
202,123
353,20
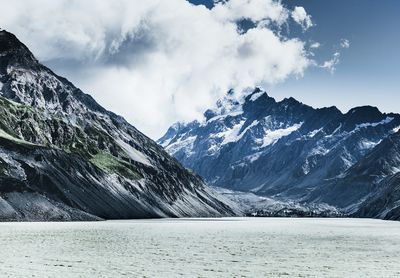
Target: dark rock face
377,174
64,157
288,150
385,203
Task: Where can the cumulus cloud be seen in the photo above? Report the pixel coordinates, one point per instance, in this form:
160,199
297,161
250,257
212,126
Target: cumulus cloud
300,16
266,11
156,61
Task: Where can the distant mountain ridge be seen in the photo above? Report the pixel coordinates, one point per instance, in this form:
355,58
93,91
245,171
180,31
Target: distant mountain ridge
288,150
64,157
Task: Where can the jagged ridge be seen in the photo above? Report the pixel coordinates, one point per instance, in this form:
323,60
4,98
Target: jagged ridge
284,149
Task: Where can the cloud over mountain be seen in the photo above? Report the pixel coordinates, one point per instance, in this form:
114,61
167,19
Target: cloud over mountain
158,61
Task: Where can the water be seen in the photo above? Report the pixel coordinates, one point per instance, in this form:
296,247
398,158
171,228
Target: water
269,247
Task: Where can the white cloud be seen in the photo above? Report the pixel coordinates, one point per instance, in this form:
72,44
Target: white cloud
315,45
344,43
300,16
255,10
156,61
331,64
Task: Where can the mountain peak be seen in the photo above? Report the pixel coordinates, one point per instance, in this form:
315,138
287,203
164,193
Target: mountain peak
290,101
7,40
14,52
364,114
256,94
365,109
37,85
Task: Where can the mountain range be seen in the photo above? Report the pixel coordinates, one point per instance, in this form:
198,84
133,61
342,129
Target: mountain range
289,151
64,157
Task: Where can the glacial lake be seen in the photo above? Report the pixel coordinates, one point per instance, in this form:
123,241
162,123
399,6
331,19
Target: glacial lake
227,247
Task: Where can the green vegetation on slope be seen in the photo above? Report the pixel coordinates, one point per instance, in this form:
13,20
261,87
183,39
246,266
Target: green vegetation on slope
111,164
28,125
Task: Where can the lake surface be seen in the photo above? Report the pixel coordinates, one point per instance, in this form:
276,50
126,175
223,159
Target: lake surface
228,247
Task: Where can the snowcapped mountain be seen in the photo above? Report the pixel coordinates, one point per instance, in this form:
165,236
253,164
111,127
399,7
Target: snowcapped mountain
285,149
64,157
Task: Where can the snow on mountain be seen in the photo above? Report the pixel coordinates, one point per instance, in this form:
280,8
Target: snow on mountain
271,136
280,149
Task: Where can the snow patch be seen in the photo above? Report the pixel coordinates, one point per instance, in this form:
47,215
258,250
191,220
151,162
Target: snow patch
366,144
306,167
254,123
334,132
319,150
394,170
383,122
255,96
231,135
347,159
395,130
254,157
185,144
272,136
311,134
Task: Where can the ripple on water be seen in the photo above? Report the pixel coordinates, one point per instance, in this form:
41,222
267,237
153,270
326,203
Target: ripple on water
207,248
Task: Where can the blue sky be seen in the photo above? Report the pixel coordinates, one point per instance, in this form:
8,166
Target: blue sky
368,72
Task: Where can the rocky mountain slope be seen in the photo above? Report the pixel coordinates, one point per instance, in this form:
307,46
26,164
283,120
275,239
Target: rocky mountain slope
378,175
288,150
64,157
